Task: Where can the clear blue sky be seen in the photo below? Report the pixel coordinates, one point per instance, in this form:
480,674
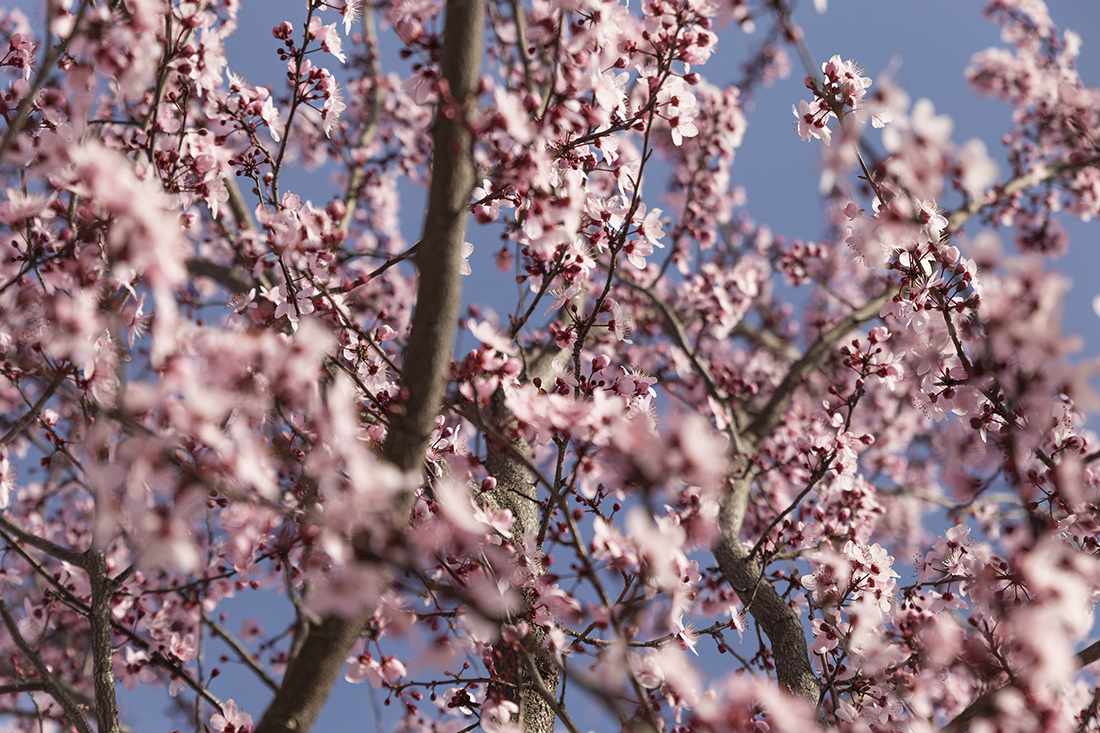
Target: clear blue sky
932,40
929,42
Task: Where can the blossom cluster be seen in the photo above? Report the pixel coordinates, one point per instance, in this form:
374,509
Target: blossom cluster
858,475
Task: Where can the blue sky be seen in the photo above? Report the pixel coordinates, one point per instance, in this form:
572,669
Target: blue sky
928,44
929,41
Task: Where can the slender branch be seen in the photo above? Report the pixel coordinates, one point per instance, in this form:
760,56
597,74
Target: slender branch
391,262
814,479
30,686
984,704
241,651
56,689
237,205
295,77
777,404
53,55
520,19
228,277
79,606
1033,177
358,177
768,340
675,329
30,415
41,543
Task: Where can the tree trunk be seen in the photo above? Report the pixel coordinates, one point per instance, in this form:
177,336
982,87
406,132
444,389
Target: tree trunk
515,482
106,703
313,671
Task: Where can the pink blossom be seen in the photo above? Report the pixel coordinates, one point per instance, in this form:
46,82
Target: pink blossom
328,37
270,115
231,719
20,206
498,716
388,672
134,668
225,383
812,121
7,479
467,250
351,10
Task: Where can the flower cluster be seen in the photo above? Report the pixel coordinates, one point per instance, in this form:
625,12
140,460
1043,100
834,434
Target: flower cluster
838,93
252,427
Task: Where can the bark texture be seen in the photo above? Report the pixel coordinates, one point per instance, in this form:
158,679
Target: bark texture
313,671
780,622
106,703
516,490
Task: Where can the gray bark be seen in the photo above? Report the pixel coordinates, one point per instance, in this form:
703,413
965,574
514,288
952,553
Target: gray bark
314,669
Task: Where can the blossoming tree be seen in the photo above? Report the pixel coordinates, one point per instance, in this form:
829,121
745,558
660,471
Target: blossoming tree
655,488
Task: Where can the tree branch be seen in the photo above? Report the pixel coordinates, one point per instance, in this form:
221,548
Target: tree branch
56,689
41,543
228,277
79,606
745,574
507,462
358,176
777,404
242,652
24,421
783,625
18,687
53,55
106,702
984,704
1034,177
313,671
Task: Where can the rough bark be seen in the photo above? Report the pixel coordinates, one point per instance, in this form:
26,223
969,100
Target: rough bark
515,489
782,625
313,671
780,622
106,702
